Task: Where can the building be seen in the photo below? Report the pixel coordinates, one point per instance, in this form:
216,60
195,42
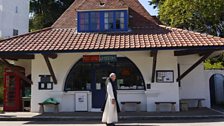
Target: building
70,60
14,17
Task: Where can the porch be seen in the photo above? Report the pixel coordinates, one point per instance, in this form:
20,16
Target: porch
202,113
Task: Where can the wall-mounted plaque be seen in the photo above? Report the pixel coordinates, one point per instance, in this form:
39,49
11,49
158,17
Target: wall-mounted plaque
45,82
164,76
46,86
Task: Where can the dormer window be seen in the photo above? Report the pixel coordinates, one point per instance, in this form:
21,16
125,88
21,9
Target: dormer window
99,21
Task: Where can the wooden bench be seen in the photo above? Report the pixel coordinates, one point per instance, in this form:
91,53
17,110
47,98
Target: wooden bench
172,108
135,103
184,103
42,107
49,101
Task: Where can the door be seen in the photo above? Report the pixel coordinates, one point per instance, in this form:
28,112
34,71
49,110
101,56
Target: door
12,91
217,89
101,72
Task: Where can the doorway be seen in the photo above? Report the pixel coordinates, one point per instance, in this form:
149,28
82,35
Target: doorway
100,74
12,90
216,84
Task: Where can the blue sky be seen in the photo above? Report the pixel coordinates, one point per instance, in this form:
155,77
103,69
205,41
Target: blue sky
149,8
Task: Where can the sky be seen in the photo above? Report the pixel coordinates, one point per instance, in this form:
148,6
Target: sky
148,7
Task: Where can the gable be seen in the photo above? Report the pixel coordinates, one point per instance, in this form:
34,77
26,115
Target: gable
102,5
138,16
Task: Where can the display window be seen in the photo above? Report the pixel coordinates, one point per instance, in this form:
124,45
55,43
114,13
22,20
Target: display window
85,76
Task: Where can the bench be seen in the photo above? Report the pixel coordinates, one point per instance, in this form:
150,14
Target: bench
49,101
135,103
184,103
172,106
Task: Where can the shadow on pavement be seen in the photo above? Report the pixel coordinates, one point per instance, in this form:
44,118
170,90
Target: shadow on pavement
124,123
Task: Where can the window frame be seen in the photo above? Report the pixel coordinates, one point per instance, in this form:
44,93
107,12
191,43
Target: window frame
15,32
118,58
102,21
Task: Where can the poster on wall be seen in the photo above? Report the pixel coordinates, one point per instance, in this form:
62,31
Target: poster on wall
164,76
81,102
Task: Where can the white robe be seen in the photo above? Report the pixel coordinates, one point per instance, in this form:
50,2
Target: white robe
110,111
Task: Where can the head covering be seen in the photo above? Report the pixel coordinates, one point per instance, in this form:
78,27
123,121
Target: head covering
112,74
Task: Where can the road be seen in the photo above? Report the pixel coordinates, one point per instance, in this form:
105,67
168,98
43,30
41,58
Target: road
211,122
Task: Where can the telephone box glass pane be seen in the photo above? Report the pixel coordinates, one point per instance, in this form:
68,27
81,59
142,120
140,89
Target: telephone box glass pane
10,94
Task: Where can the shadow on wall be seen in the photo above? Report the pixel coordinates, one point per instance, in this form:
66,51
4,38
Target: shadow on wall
216,83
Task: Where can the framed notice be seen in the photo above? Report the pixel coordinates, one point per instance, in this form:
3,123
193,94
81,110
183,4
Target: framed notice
164,76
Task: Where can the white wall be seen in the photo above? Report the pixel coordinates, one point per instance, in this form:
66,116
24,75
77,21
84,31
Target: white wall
1,9
10,20
62,66
64,62
193,85
160,92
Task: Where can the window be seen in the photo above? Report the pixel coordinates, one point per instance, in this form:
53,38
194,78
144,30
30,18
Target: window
84,21
95,21
79,77
91,21
119,20
83,75
16,11
108,20
15,32
128,75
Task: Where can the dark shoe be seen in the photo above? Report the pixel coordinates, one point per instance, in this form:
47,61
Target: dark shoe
111,124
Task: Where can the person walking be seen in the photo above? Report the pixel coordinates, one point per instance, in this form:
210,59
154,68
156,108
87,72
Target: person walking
111,107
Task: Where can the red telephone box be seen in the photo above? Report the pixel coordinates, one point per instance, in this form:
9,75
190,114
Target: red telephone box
12,90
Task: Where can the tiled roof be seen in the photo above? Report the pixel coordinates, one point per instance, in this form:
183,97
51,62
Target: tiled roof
62,40
145,34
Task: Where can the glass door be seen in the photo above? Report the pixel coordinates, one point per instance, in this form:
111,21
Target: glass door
12,92
101,72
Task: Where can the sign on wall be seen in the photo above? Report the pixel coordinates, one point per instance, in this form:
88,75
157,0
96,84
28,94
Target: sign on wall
81,103
164,76
45,82
99,58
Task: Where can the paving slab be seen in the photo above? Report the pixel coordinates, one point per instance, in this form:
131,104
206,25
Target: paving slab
203,113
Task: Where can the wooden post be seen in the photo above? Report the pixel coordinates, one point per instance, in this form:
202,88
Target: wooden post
51,55
17,56
194,66
50,68
154,55
178,73
201,52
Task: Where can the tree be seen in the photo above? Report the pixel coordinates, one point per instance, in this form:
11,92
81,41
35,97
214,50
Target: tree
43,13
206,16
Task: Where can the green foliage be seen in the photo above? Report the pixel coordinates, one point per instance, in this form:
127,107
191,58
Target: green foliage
156,3
216,62
209,66
45,12
205,16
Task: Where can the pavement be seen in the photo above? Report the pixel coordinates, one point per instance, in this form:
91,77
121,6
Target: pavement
217,122
203,113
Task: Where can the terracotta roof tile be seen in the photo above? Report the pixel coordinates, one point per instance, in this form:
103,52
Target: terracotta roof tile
145,34
70,40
